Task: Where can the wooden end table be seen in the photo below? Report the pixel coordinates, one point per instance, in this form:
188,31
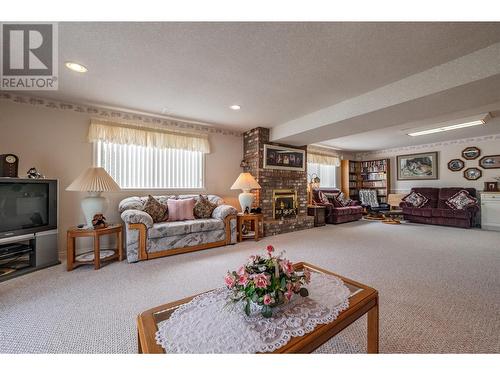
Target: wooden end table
319,214
363,300
256,221
96,260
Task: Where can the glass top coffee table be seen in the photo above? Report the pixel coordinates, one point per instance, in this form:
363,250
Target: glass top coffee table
362,300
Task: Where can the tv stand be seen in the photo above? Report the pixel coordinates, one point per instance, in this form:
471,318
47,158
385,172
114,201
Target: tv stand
26,253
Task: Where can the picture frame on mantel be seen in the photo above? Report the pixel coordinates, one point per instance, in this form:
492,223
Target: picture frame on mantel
286,158
421,166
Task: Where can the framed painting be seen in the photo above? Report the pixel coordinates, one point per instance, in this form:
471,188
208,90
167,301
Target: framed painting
490,162
422,166
279,157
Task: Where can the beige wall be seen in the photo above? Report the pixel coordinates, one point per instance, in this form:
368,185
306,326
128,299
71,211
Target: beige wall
54,141
489,145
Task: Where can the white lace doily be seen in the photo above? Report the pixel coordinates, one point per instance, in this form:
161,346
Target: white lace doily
208,324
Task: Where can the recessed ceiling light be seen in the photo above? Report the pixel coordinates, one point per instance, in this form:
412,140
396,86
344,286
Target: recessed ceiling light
451,127
235,107
76,67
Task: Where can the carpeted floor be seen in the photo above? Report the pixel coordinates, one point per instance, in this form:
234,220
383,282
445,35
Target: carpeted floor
439,290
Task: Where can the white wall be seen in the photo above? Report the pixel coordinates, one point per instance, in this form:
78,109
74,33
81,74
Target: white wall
489,145
55,142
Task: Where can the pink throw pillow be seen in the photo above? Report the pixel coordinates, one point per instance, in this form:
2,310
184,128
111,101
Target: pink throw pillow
180,209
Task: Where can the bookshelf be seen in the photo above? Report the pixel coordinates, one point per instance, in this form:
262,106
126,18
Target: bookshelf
366,174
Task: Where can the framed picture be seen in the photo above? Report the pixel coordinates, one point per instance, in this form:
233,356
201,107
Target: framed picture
473,173
471,153
490,162
423,166
279,157
491,186
456,165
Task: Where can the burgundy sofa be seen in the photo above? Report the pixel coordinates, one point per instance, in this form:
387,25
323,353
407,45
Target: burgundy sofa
336,214
436,212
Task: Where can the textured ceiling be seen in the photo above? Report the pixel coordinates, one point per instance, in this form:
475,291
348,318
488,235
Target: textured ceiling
275,71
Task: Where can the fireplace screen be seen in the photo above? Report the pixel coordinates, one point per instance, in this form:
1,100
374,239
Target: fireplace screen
284,204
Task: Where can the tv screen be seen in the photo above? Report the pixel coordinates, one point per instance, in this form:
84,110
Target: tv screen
23,206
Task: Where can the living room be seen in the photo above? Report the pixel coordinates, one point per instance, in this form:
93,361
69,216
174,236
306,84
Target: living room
312,187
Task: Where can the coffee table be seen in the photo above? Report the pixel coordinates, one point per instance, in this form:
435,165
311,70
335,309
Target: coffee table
363,300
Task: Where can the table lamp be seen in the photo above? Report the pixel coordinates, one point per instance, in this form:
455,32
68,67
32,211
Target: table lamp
94,180
245,182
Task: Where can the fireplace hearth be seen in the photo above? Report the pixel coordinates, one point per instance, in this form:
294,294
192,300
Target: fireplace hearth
284,204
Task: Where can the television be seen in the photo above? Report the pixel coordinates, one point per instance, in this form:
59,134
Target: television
27,206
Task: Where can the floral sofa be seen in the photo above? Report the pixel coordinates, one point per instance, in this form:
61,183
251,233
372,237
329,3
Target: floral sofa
147,240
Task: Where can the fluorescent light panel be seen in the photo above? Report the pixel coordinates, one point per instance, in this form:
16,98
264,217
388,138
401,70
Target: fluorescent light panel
448,128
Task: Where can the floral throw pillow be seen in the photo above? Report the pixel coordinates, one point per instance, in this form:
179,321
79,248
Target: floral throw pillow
155,209
415,199
343,200
460,200
203,208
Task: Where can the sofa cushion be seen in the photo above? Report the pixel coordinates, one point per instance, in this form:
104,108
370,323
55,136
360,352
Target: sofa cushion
415,199
155,209
180,209
460,200
414,211
203,208
447,193
347,210
432,194
343,200
215,199
176,228
456,214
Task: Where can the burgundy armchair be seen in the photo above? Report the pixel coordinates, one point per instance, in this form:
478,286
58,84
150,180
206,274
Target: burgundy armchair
334,212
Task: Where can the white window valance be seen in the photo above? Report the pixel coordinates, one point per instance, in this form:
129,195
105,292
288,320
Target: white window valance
126,134
316,158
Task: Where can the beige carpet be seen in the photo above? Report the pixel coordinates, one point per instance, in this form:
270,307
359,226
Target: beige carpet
439,290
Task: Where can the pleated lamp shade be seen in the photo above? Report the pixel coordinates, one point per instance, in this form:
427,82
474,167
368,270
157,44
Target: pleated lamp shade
94,179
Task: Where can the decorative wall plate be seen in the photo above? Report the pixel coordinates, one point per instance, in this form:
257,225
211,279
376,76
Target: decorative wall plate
490,162
456,165
471,153
473,173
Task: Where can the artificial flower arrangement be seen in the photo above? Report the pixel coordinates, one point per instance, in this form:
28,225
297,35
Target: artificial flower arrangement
267,281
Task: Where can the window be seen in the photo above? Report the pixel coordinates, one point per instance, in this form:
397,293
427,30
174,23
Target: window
140,167
326,173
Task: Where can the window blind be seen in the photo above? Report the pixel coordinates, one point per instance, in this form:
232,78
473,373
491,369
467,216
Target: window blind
140,167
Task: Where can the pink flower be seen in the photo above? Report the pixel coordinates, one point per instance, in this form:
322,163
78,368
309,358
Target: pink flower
261,280
287,267
229,280
270,249
288,295
241,271
243,279
267,299
252,258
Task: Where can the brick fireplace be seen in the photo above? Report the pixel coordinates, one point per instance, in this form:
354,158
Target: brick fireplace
290,187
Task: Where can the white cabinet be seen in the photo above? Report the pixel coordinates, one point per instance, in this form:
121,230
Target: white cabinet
490,211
